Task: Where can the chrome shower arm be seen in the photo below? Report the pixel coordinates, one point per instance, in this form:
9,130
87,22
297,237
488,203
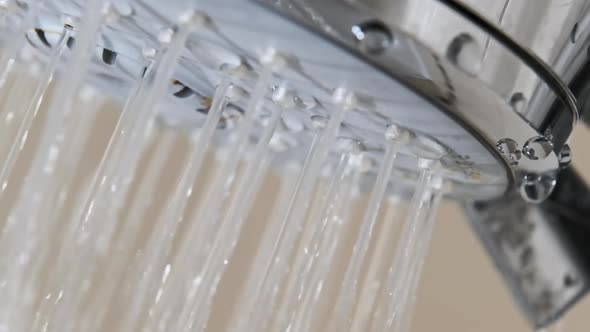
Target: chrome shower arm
541,250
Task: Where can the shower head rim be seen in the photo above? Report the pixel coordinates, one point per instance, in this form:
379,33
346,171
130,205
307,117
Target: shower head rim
338,32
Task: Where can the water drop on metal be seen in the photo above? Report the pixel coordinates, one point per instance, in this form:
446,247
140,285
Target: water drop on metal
509,148
373,37
319,121
565,156
536,188
538,148
464,52
518,102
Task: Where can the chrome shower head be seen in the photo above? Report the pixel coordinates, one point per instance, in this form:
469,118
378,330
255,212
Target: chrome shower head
394,77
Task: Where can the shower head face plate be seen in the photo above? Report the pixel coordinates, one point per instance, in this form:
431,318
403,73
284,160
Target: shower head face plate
394,78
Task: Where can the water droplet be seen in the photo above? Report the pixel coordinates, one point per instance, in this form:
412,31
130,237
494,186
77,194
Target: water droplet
319,121
166,273
281,143
515,157
195,18
373,37
9,117
427,148
363,163
464,52
538,148
536,188
165,36
306,102
509,148
354,146
428,164
344,98
149,52
518,102
237,67
284,97
395,132
236,93
565,156
292,123
197,281
277,61
231,116
110,13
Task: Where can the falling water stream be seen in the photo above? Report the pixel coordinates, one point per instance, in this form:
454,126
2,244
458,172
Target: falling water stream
146,237
31,110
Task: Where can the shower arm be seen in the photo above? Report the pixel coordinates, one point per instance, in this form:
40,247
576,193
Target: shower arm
541,250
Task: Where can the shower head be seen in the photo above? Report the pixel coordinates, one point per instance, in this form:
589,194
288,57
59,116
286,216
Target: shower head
487,137
474,87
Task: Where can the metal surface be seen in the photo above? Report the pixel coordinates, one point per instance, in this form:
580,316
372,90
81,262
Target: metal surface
534,254
552,31
541,250
472,80
529,58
